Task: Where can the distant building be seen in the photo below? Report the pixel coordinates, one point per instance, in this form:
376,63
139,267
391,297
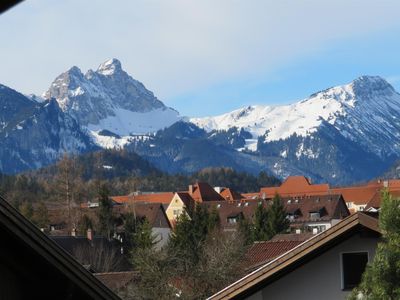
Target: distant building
201,192
356,197
294,186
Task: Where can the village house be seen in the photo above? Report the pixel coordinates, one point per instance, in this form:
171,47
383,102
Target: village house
356,197
154,213
314,213
201,192
294,186
327,266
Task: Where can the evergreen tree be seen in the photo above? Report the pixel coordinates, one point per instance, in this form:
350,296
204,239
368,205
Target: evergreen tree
189,234
246,231
260,230
105,213
143,237
277,221
381,279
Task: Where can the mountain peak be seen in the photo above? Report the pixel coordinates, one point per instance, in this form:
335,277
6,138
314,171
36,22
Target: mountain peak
372,86
109,67
75,71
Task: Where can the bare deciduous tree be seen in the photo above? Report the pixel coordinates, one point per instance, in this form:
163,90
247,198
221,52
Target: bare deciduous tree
99,256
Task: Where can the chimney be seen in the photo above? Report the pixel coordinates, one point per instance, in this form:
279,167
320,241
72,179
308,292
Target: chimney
386,183
190,189
73,232
89,234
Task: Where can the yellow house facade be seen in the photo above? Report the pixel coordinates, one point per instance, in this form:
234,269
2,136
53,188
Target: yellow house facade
178,205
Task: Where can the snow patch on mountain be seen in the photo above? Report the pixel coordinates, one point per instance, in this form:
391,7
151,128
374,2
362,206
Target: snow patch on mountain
126,122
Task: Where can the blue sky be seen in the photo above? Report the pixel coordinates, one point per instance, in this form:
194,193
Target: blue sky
205,57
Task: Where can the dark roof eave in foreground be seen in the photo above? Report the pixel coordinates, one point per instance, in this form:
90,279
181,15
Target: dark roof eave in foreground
32,237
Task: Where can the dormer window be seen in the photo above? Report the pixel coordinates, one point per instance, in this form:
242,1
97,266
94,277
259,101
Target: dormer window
315,215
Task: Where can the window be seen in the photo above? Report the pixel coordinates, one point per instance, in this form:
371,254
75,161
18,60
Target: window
314,215
353,265
177,212
232,220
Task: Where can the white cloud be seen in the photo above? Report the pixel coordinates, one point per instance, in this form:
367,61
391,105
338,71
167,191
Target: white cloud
179,45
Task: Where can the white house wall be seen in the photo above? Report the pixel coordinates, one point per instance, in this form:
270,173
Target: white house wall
320,278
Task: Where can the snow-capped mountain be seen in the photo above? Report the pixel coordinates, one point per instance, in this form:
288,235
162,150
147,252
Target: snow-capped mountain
109,100
365,111
341,135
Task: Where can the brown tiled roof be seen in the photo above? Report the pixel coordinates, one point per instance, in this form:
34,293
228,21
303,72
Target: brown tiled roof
164,198
330,206
203,192
300,253
294,186
186,199
263,252
117,280
375,202
227,209
153,212
230,195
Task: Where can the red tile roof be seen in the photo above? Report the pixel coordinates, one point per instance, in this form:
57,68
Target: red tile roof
230,195
164,198
359,195
295,186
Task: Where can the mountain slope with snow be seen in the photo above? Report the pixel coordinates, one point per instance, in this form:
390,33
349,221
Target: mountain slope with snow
342,134
109,99
362,110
